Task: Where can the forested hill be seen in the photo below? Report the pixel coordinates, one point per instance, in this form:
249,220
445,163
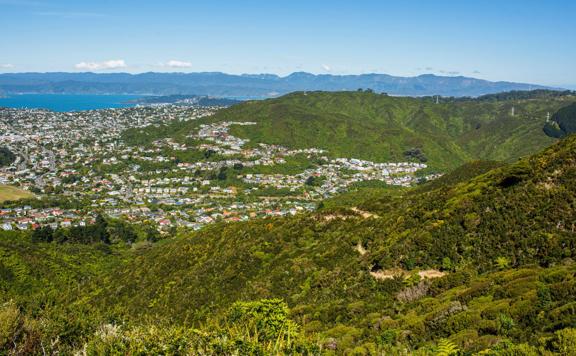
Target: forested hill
471,264
377,127
500,240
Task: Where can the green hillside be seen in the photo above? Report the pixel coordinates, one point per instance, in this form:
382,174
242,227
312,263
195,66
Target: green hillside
376,127
384,128
514,217
482,260
471,263
562,123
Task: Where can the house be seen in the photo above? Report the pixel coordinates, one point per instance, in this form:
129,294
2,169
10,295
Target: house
164,222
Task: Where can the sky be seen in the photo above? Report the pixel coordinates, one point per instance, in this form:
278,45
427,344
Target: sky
531,41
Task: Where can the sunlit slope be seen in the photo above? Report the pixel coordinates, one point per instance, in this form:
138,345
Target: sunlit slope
378,127
512,216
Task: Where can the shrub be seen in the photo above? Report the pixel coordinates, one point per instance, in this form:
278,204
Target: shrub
10,320
564,342
267,318
505,324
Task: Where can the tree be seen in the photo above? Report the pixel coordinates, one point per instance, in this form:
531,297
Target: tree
6,156
43,234
100,230
222,174
446,264
121,231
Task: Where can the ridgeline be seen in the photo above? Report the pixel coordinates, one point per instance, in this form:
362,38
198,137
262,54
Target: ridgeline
382,128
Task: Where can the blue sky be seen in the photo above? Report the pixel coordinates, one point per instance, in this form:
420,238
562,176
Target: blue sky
528,41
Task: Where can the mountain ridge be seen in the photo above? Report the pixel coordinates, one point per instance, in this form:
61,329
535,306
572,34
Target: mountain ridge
249,85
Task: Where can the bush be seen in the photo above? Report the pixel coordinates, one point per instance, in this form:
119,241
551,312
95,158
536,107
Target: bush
505,324
564,342
267,318
10,321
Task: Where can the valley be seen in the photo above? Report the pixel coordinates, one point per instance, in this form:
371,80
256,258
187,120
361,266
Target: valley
315,223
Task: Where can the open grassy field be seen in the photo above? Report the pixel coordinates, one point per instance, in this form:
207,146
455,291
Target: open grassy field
12,193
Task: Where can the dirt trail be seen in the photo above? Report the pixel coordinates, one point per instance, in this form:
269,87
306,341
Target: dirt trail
364,214
392,273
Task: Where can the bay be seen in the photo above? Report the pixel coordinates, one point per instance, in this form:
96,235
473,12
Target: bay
67,102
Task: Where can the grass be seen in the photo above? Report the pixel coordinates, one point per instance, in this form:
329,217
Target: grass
9,193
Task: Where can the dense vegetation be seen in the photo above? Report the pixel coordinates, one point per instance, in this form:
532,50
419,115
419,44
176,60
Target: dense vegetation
482,260
522,95
6,156
563,122
383,128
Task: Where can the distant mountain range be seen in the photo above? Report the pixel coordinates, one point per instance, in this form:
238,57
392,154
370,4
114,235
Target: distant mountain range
247,85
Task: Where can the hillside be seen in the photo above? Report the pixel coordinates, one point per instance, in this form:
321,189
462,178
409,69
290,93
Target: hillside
504,241
383,128
480,260
562,123
247,85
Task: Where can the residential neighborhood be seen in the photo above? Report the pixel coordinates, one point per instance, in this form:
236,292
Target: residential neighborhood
208,176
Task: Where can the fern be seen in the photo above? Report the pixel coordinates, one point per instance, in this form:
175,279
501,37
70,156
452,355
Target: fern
446,348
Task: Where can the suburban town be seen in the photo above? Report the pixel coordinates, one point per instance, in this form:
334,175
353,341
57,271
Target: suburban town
208,176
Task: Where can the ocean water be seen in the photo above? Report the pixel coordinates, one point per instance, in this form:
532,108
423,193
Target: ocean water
67,102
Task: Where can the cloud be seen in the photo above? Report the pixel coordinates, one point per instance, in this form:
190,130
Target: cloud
326,67
7,66
176,64
476,72
111,64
